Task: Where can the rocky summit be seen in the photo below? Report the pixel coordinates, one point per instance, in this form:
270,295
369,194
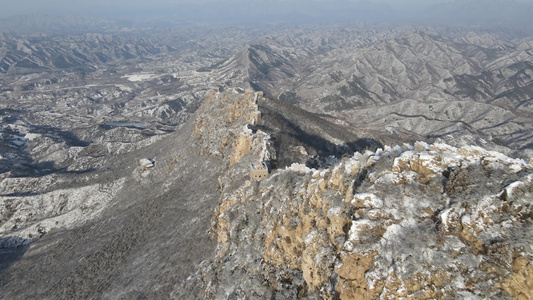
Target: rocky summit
417,221
422,221
277,162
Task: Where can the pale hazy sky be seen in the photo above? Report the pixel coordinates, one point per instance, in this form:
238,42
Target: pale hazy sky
61,7
125,8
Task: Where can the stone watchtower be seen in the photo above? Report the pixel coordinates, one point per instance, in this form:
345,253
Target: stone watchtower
258,170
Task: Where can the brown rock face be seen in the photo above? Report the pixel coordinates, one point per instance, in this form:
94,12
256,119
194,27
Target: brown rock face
221,127
242,147
520,284
432,223
352,284
457,181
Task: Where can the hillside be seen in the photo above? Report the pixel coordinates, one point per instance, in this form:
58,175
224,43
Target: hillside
119,219
424,81
281,162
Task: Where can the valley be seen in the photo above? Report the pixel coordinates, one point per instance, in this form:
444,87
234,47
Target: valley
398,157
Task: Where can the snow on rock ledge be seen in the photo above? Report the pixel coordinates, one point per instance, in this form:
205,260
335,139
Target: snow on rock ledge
32,216
429,221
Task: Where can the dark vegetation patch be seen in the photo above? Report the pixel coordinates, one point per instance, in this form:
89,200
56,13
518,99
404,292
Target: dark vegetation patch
338,103
474,86
26,63
10,116
61,62
114,124
102,57
12,249
58,135
263,67
9,111
212,67
176,105
169,79
127,55
291,127
471,181
355,87
80,55
521,66
29,169
290,97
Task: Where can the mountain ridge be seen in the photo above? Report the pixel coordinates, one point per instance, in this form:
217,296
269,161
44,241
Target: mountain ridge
328,162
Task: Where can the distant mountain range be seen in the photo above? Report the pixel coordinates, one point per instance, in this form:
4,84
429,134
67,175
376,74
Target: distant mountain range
418,79
45,53
488,13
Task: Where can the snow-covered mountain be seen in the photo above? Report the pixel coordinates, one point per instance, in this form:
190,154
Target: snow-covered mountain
394,162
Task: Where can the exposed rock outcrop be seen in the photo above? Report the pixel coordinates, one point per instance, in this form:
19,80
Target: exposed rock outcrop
429,221
222,127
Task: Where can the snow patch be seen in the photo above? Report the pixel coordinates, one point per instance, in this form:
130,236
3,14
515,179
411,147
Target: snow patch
357,226
398,149
139,77
369,200
334,211
32,136
300,168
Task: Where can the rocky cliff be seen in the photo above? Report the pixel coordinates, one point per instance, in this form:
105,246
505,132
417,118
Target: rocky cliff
423,221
